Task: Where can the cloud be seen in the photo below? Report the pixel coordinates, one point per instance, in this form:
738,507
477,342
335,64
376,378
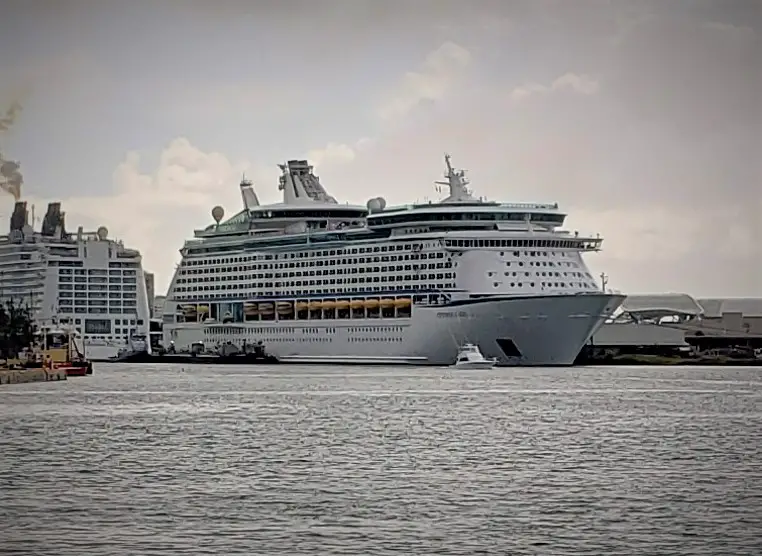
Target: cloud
192,99
337,154
695,76
659,152
580,84
439,72
156,210
331,153
644,124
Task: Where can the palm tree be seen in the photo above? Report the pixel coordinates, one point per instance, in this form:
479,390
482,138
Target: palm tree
4,331
16,328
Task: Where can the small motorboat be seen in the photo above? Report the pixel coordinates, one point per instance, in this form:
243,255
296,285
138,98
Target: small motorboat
469,357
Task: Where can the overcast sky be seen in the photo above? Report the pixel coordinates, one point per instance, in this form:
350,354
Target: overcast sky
642,119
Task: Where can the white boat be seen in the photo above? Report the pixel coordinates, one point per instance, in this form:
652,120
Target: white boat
469,357
85,280
320,282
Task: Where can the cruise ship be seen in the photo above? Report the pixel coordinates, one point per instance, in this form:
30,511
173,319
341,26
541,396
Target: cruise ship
321,282
82,279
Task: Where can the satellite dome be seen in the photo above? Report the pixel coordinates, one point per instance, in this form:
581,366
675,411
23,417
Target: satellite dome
376,204
218,213
102,233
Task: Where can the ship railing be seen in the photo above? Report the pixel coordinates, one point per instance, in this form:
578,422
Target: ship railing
530,206
580,243
511,206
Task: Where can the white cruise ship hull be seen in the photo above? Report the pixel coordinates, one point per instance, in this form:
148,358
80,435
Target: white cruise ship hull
526,331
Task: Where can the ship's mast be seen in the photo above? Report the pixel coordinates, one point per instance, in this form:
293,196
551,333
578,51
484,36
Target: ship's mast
449,166
456,182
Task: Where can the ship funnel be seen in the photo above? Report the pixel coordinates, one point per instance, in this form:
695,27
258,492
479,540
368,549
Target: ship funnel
52,219
19,217
249,196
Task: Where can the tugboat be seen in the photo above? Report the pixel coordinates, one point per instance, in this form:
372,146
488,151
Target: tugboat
57,349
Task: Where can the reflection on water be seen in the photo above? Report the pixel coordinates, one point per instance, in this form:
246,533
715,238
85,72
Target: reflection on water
372,461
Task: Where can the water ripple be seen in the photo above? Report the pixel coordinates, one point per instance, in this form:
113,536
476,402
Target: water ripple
592,461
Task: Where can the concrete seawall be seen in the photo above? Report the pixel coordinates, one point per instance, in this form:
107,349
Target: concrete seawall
30,375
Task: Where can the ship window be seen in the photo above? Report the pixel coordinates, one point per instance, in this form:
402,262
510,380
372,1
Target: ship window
97,326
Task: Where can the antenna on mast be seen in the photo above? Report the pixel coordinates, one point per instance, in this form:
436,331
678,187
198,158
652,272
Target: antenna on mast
448,174
604,281
456,182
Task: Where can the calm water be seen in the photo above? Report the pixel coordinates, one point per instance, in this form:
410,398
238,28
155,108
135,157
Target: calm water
372,461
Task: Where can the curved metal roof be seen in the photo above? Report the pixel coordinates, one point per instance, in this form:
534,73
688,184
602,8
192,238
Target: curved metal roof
747,306
662,304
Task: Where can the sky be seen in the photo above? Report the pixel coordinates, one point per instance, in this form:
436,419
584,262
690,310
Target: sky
642,119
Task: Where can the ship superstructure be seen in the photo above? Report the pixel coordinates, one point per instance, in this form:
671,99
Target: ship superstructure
84,279
320,281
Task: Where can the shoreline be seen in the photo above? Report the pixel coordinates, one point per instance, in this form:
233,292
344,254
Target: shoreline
25,376
662,361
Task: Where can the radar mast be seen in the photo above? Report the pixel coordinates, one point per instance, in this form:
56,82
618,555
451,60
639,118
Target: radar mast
457,184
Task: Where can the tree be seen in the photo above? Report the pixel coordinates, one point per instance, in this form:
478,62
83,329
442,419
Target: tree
17,328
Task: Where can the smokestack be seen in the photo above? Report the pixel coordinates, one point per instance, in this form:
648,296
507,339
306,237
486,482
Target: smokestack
53,219
19,217
10,175
249,196
7,121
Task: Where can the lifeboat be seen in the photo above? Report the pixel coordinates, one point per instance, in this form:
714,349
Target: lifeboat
285,307
266,308
250,309
302,306
189,310
401,303
357,304
203,309
342,304
315,305
371,303
386,303
329,304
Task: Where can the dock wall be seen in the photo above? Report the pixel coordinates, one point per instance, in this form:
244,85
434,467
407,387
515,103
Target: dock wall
8,376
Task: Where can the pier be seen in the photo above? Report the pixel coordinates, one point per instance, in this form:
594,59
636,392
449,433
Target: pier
22,376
